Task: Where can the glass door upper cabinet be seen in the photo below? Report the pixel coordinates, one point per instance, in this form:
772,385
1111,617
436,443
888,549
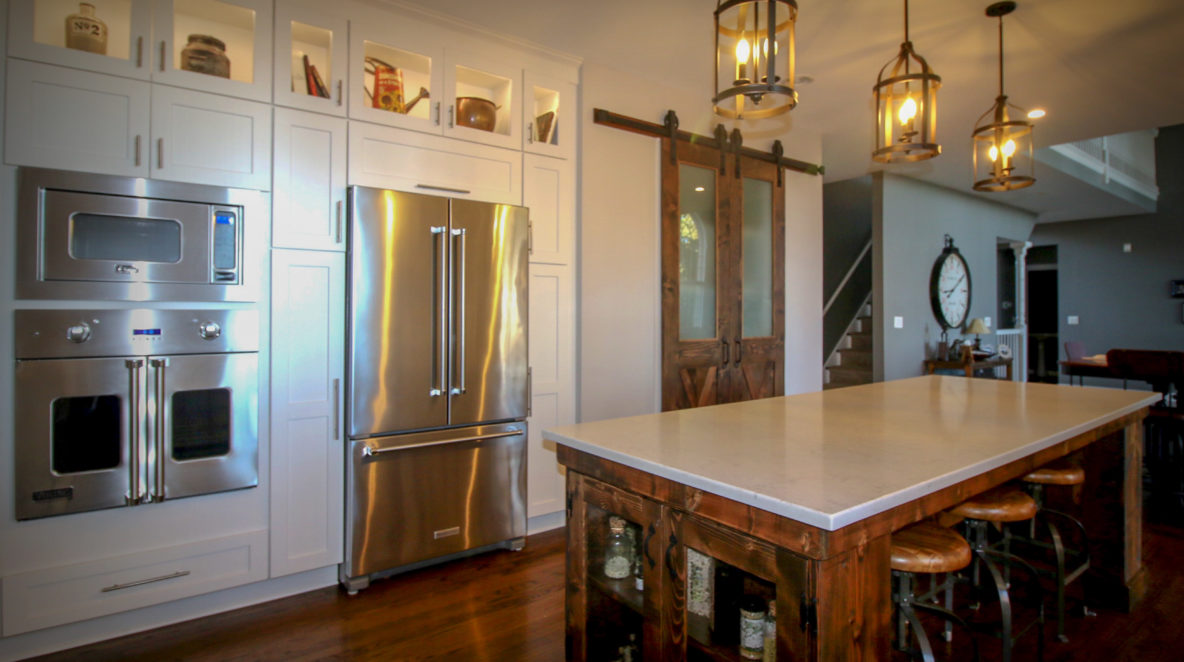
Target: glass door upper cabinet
310,59
107,36
549,115
396,75
215,46
481,106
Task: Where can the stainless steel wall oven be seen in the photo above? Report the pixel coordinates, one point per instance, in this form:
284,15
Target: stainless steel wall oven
133,406
86,236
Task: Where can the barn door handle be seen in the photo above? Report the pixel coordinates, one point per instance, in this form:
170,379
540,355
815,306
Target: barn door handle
646,546
724,342
737,350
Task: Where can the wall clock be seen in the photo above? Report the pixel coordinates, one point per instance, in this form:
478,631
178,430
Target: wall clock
949,287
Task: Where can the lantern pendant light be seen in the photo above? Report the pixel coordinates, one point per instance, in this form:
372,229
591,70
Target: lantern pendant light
1002,137
754,58
906,106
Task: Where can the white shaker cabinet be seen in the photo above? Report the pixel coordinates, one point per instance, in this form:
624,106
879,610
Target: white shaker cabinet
549,189
307,431
308,200
549,113
304,32
552,362
207,139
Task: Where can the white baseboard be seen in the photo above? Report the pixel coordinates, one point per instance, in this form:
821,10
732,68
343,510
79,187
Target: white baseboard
545,522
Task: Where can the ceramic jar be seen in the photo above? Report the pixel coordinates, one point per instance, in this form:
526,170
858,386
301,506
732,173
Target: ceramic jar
205,55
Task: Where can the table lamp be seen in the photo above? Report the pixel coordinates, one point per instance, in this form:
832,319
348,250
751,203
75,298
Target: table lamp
977,326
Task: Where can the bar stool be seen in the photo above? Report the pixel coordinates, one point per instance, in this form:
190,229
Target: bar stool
1064,474
930,549
1001,505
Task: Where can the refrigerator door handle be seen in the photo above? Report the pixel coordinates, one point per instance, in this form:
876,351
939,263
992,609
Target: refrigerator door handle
370,451
439,356
458,266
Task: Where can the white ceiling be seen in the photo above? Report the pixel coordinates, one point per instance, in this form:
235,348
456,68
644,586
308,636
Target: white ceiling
1098,67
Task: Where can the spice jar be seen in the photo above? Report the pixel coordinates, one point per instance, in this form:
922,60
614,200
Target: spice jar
205,55
85,32
618,554
771,633
752,628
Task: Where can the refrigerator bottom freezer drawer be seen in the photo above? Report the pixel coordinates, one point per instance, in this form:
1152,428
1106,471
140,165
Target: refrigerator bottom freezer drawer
418,499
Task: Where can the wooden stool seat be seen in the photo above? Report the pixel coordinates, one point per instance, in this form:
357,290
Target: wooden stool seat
929,548
1056,473
1002,504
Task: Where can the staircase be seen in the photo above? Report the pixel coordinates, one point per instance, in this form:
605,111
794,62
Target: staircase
851,363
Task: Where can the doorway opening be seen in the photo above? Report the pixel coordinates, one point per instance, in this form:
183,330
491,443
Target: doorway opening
1042,314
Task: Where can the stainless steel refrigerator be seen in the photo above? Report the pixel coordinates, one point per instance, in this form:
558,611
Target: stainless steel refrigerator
438,383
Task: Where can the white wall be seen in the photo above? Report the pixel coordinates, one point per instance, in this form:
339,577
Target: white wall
909,221
620,295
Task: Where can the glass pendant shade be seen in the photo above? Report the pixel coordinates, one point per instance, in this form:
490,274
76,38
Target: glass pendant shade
754,58
1003,145
906,109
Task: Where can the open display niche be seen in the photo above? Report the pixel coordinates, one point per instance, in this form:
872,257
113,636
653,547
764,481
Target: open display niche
233,25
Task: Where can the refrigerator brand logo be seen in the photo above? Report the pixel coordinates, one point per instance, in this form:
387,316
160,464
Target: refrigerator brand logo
444,533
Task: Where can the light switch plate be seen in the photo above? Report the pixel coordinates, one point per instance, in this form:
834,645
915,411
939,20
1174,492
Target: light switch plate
1072,320
987,321
898,322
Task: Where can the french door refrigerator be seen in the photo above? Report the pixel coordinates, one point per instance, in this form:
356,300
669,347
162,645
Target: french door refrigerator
438,382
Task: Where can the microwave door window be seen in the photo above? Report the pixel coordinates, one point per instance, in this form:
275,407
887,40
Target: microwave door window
102,237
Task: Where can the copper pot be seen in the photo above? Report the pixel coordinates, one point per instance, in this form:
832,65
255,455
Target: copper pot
476,113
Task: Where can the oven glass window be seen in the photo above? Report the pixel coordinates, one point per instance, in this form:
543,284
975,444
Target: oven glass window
126,238
85,433
201,423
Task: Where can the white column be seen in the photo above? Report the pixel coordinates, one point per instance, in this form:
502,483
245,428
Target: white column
1021,307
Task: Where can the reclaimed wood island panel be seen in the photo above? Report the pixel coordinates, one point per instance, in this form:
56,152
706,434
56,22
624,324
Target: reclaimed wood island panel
801,494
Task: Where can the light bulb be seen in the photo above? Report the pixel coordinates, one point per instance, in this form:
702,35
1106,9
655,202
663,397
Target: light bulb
908,110
1008,149
742,50
994,153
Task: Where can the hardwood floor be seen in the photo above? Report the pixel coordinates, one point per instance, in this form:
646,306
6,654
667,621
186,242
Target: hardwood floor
509,606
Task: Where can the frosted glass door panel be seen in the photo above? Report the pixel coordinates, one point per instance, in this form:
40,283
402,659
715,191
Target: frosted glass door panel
757,259
696,252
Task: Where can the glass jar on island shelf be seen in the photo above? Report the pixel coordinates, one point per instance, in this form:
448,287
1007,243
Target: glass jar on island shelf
205,55
618,553
85,32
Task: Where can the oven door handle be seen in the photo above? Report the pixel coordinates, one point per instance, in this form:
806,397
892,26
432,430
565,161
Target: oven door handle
135,486
158,491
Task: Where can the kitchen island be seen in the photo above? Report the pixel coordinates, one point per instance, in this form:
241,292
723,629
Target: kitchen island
799,495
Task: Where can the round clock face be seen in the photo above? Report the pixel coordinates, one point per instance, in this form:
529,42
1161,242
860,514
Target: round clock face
949,289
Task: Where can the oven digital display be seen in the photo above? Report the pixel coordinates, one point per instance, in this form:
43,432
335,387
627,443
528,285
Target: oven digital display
140,333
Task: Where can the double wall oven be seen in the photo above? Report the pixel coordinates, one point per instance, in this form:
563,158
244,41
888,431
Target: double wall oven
155,398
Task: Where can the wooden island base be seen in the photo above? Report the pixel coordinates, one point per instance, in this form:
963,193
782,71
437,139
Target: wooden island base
831,586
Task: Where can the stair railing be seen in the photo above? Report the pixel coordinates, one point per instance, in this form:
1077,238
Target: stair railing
843,283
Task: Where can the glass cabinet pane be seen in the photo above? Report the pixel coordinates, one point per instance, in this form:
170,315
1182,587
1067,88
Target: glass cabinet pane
696,252
98,26
544,127
312,60
757,259
615,590
214,38
397,81
484,101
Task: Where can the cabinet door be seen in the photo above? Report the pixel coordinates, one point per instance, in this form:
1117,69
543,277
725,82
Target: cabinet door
607,608
240,68
73,120
549,113
407,58
718,569
408,161
209,139
309,181
548,189
307,439
483,99
116,35
552,362
302,32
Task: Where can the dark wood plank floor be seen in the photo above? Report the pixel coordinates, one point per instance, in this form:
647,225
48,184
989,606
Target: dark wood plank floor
509,606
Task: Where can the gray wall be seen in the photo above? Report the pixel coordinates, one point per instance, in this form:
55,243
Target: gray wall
847,227
1121,299
910,219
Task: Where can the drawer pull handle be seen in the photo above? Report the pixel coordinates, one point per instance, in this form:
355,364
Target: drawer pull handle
443,188
141,582
370,451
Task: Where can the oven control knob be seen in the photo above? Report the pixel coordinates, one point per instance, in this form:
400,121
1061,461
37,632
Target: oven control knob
209,330
78,333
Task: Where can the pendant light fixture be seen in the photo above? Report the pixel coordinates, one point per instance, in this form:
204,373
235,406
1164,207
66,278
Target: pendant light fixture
754,58
1002,136
906,106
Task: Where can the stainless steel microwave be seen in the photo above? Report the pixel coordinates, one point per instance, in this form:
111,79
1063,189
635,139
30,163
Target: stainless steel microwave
86,236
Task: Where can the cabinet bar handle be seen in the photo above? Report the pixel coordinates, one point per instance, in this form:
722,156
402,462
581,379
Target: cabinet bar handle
530,132
340,98
451,115
160,153
336,405
443,188
737,350
139,52
530,237
137,147
724,342
437,113
340,214
162,47
529,392
141,582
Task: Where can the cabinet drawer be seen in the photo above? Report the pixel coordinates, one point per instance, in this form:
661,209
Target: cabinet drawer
408,161
65,594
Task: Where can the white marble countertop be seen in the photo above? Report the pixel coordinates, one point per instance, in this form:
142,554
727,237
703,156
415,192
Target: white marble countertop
835,457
